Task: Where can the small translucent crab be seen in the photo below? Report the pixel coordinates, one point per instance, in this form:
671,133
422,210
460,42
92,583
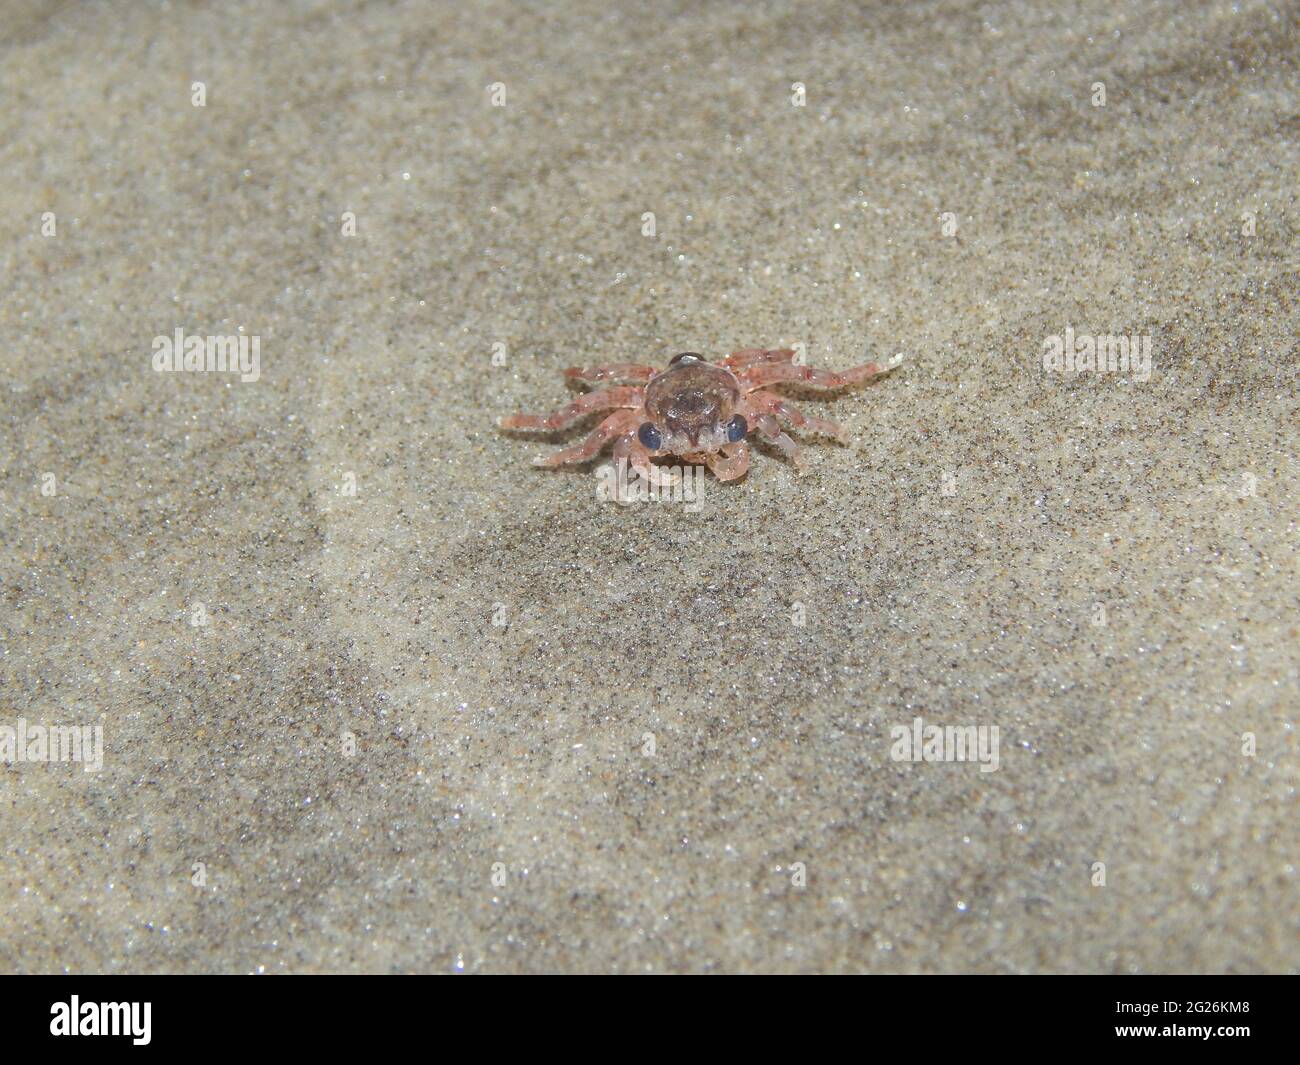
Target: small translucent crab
696,410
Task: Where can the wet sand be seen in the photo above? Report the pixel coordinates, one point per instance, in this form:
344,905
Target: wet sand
376,695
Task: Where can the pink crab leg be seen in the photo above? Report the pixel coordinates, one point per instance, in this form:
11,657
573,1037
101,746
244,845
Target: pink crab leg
770,430
623,371
753,356
618,422
729,463
771,403
762,376
608,399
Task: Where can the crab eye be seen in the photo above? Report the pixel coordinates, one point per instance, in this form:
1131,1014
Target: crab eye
686,356
650,437
736,429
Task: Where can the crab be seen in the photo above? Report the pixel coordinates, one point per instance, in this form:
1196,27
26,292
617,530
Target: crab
700,411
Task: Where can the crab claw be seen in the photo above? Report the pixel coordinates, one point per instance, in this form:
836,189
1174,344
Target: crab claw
730,462
660,476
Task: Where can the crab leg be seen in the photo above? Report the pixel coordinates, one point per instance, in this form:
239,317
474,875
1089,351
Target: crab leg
608,399
762,376
623,371
771,403
619,422
770,430
747,357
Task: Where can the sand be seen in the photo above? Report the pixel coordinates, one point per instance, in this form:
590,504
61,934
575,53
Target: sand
377,695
